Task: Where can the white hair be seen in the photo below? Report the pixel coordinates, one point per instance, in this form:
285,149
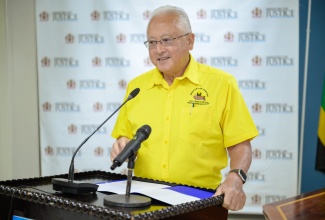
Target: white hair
183,22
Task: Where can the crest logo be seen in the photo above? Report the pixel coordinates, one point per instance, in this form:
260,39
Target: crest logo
257,108
45,62
256,61
201,14
199,96
46,107
97,62
146,15
121,38
69,39
97,107
257,154
229,37
122,84
95,16
49,151
72,129
44,16
99,152
71,84
202,60
256,13
256,199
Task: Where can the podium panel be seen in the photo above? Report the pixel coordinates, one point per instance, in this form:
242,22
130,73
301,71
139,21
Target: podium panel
35,198
305,206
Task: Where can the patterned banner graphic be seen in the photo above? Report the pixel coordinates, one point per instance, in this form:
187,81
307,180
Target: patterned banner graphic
87,53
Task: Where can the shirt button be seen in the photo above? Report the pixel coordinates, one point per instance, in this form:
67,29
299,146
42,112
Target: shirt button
165,142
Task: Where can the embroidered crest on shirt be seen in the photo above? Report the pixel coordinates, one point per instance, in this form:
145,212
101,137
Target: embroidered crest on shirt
199,96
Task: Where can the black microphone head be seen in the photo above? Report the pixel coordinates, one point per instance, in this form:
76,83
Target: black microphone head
146,130
134,93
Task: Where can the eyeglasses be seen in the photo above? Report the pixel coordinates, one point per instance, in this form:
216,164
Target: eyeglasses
165,41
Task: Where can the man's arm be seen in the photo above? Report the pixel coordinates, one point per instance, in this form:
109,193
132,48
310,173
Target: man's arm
240,158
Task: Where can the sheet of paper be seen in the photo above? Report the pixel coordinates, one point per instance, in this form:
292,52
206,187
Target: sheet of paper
169,196
119,187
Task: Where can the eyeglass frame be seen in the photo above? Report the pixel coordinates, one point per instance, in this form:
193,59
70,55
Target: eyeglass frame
146,43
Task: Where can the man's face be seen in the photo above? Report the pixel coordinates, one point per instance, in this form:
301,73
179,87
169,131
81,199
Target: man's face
170,60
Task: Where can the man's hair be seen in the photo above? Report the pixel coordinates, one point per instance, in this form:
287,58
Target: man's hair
183,22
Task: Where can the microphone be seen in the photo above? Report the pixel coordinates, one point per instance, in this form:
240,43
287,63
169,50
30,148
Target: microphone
132,147
76,187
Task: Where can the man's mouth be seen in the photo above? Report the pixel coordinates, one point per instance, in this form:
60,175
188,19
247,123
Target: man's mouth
162,58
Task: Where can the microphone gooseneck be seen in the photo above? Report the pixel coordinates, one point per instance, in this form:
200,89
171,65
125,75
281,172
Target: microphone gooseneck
68,185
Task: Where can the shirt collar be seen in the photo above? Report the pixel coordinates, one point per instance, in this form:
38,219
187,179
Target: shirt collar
191,73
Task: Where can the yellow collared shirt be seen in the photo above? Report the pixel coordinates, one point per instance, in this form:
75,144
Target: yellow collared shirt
193,121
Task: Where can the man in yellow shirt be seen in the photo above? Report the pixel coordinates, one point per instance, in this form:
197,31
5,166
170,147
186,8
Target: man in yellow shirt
196,113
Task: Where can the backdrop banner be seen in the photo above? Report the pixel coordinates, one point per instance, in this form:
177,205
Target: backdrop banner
89,51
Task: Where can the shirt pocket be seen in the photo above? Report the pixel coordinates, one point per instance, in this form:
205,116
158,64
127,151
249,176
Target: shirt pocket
195,123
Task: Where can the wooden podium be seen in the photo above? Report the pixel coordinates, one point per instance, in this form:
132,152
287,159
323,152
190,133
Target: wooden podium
35,198
305,206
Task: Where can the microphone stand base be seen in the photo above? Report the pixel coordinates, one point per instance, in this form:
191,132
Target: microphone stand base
133,201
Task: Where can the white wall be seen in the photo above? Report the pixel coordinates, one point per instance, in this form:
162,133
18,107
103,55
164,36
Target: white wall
19,133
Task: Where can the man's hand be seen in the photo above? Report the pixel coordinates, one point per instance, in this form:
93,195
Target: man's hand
118,146
234,196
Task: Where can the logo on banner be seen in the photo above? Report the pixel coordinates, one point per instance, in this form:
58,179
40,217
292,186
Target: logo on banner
279,155
88,129
96,62
95,16
99,152
279,108
202,60
257,61
92,84
98,107
251,37
112,106
255,176
71,84
46,107
69,39
256,199
120,39
229,37
201,14
64,16
226,13
137,38
116,62
202,38
72,129
257,13
90,39
279,13
274,198
122,84
279,61
224,62
44,16
257,108
116,16
251,84
257,154
49,151
45,62
146,15
66,107
65,62
66,151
